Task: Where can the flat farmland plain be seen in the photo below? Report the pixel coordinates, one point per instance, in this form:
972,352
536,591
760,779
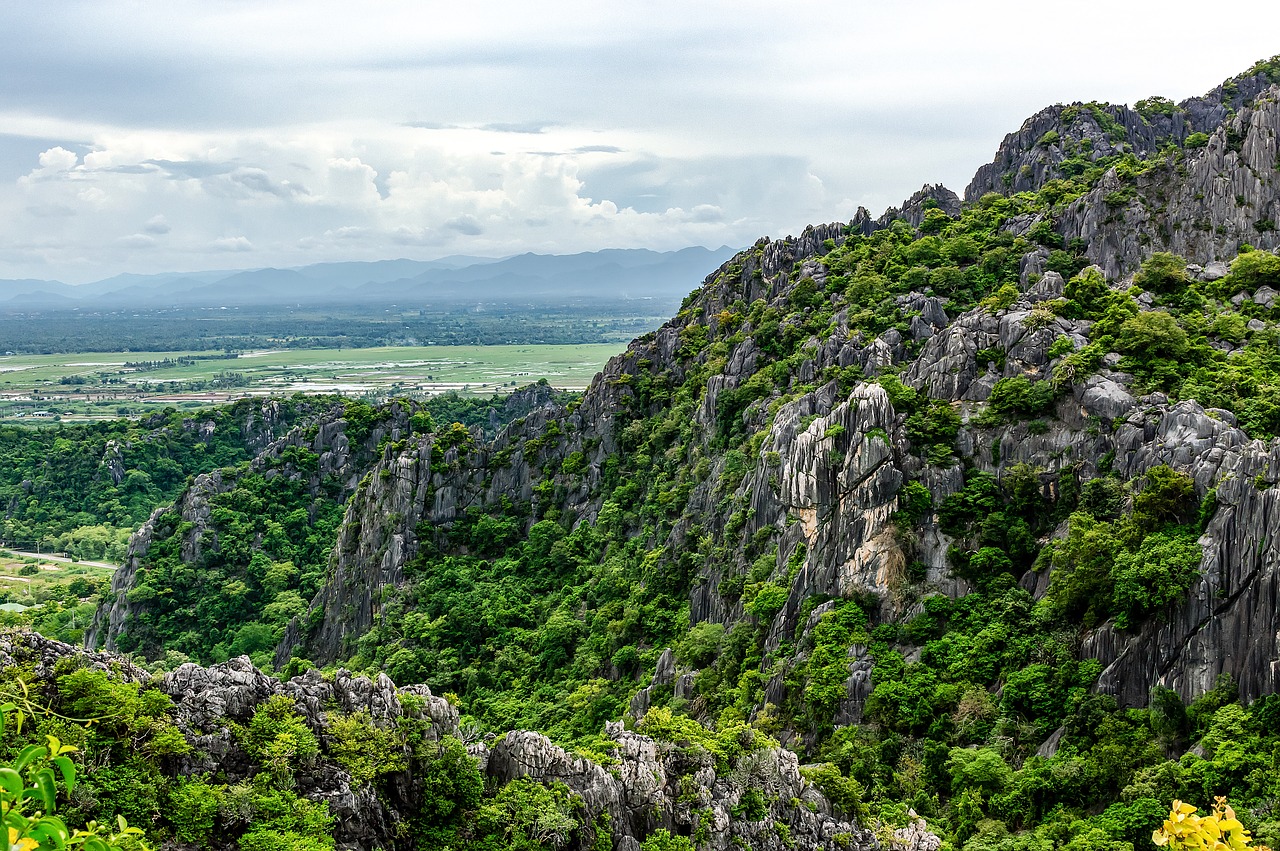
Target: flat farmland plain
91,385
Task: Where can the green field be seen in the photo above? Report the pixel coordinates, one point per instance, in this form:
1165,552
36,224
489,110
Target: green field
101,384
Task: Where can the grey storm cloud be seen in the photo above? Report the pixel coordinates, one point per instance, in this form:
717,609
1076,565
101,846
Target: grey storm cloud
187,169
531,127
157,226
257,180
465,225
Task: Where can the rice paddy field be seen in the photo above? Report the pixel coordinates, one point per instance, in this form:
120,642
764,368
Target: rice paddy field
89,385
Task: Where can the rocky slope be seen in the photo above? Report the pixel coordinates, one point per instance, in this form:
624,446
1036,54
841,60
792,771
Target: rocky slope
828,474
1222,196
647,785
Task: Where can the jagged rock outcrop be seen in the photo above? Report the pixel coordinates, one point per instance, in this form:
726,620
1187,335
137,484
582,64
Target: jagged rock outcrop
1225,194
656,785
1034,154
914,208
647,785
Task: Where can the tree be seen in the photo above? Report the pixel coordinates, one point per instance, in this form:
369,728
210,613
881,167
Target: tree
1162,272
29,800
1153,335
1254,269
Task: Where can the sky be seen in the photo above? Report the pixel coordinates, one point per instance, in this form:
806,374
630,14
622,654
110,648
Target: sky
177,136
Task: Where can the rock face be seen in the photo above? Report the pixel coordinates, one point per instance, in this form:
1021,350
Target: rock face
1034,154
1203,203
658,785
1229,195
648,784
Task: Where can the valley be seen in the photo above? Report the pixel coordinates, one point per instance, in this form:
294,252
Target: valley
104,385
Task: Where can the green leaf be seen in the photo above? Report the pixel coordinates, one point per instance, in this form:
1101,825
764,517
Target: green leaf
11,782
48,792
29,754
68,769
51,830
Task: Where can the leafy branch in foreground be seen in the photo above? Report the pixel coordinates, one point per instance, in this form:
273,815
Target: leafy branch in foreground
29,799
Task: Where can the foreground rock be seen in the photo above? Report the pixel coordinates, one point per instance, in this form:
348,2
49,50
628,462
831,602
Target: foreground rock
646,785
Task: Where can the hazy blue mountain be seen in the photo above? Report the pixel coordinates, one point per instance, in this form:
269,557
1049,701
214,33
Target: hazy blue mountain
611,273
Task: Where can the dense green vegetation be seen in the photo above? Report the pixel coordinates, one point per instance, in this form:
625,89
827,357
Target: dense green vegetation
82,489
209,589
78,488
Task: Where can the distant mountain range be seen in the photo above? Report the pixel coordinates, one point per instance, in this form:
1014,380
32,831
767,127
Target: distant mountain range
615,274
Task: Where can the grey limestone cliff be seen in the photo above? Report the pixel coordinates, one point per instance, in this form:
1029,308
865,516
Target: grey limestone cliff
1035,153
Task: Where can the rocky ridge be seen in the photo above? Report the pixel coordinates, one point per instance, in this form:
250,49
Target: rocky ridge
337,461
1034,154
646,786
1224,195
828,474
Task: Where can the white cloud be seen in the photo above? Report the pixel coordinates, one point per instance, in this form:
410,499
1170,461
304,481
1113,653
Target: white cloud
157,225
231,243
57,159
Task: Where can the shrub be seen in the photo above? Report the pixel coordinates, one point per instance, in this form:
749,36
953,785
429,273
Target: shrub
1160,572
701,644
662,840
278,737
365,751
1019,397
915,499
193,810
1254,269
531,817
29,799
1061,346
1153,336
1162,272
768,601
1002,298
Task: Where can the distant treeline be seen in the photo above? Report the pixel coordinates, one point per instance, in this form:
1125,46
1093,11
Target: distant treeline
343,326
183,360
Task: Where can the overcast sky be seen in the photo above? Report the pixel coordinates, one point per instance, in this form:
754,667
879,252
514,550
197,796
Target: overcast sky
144,137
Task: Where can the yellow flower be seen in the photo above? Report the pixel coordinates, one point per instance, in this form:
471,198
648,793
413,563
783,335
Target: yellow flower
24,844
